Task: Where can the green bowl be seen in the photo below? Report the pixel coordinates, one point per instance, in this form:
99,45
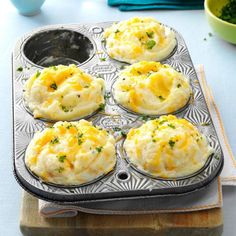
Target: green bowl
224,29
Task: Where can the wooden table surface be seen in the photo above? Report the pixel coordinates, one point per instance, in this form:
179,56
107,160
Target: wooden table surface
199,223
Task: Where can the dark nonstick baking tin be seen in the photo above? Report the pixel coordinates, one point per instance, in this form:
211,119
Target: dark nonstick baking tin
83,44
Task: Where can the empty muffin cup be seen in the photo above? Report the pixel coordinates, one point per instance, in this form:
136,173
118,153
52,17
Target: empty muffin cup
60,46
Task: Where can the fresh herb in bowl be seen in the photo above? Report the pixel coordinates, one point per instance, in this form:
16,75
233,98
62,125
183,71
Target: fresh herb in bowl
228,12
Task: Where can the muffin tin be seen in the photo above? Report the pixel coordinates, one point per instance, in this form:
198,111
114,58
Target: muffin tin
83,44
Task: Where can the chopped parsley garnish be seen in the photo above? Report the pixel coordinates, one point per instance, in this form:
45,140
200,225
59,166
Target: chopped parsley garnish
228,12
38,74
150,44
61,158
20,69
150,34
103,41
53,86
154,140
99,149
54,141
101,107
64,108
102,59
161,98
60,169
86,86
179,85
171,143
171,126
54,68
117,31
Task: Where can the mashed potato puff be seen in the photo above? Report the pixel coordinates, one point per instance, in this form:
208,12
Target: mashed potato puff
63,93
71,153
167,147
151,88
139,39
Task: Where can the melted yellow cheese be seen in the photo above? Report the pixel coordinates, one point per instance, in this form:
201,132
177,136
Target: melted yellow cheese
63,93
71,153
167,147
151,88
138,39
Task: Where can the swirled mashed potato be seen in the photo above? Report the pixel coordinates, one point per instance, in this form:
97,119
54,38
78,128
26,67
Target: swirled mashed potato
151,88
63,93
167,147
139,39
71,153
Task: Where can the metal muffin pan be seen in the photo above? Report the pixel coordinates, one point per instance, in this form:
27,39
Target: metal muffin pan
64,44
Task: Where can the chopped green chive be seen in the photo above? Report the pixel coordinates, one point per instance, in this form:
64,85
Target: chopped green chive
54,141
101,107
80,141
61,158
210,34
150,34
162,122
122,67
64,108
60,169
99,149
161,98
205,124
123,134
171,143
171,126
150,44
154,140
117,31
53,86
102,59
116,129
144,118
179,85
20,69
107,95
37,74
69,126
